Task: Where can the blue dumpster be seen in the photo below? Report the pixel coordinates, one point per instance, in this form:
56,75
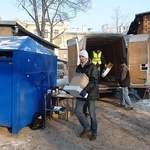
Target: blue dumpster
27,70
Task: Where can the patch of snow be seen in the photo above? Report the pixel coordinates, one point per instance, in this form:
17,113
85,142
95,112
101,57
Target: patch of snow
144,106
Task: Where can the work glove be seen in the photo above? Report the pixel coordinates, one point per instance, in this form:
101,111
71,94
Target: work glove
84,94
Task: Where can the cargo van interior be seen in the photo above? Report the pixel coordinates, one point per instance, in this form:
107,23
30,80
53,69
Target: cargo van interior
113,48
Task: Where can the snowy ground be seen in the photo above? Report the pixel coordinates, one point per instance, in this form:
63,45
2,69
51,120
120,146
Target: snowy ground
118,129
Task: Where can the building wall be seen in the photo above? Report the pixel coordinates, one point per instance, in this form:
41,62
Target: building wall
60,41
144,26
6,31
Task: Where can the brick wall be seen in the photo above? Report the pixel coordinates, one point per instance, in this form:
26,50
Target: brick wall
144,26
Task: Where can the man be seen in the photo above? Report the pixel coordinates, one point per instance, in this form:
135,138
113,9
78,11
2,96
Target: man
89,94
124,82
98,59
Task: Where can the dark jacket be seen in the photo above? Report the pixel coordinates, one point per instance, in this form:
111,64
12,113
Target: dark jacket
92,87
124,76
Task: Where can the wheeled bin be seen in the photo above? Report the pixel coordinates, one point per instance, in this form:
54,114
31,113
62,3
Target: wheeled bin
27,71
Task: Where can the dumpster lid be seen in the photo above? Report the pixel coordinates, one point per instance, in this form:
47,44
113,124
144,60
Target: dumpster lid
24,43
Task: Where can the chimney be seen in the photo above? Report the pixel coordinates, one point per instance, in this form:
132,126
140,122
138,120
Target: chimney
84,28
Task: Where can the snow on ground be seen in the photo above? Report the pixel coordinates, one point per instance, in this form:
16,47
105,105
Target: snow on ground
144,106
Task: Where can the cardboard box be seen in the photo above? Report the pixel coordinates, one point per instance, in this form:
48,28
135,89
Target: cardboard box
63,115
110,65
80,80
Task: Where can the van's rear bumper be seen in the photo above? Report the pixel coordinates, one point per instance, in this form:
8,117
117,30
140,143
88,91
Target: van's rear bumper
107,89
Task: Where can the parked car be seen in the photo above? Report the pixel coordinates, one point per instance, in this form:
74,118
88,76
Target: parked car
60,70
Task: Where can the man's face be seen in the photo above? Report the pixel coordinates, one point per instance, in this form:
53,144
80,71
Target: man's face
98,50
82,59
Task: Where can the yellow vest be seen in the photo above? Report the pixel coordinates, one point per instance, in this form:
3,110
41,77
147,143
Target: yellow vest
97,58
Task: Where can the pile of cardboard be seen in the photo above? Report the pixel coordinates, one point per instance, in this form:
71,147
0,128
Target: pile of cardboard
63,114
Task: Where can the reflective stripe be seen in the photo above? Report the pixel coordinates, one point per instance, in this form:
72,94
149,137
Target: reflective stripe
97,58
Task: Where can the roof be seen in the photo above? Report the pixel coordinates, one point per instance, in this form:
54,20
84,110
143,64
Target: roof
64,61
23,32
22,43
137,22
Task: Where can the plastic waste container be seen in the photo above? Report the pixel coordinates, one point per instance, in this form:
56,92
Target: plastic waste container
27,71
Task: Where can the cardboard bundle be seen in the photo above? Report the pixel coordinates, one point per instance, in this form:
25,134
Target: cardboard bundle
107,69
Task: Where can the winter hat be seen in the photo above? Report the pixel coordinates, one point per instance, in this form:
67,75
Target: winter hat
98,48
122,61
84,53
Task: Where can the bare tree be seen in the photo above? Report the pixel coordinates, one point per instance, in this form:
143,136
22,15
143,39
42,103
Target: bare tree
119,19
52,12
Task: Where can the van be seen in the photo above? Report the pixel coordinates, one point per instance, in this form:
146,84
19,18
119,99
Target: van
60,70
114,49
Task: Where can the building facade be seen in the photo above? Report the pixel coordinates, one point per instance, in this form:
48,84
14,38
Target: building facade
60,41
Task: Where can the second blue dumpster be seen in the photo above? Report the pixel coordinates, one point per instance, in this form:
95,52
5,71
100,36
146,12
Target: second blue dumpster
27,70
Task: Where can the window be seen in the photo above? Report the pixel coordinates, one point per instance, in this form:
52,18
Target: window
46,34
56,32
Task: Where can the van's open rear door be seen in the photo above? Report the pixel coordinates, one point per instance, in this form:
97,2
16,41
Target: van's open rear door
138,51
73,59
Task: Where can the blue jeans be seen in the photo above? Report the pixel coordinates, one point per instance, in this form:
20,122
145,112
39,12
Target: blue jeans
83,119
99,74
124,97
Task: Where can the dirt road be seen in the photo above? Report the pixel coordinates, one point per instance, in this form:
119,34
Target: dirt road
118,129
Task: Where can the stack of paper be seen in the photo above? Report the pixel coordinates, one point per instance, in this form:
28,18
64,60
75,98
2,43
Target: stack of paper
73,90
